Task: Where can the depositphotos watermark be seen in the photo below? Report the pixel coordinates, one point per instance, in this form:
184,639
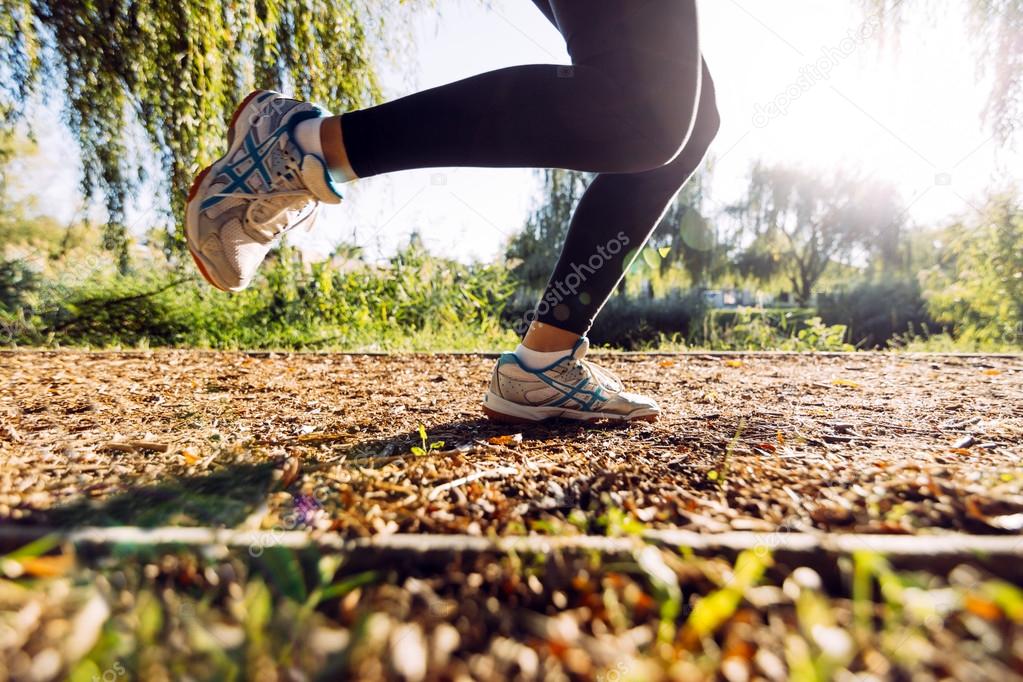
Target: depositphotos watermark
111,674
817,71
557,292
306,512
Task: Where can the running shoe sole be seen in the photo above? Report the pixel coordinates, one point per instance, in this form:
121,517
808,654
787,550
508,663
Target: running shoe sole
500,410
234,139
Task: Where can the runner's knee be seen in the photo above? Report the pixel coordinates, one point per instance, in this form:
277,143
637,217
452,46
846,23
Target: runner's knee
662,129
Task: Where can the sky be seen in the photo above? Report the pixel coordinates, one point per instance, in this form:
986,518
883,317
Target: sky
799,81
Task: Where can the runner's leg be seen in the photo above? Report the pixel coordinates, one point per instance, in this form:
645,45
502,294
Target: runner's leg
614,219
626,104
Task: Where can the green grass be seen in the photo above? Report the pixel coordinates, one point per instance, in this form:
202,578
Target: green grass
414,303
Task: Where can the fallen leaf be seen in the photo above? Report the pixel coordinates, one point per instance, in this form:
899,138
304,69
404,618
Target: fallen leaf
47,566
505,440
667,363
992,372
734,363
190,453
987,610
1011,522
845,382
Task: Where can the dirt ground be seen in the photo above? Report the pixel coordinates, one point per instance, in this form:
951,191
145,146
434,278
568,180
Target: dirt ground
875,443
865,443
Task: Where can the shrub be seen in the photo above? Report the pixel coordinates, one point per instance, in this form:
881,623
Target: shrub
631,323
769,329
420,302
875,313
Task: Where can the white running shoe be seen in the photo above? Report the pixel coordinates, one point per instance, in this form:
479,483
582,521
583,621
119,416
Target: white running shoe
264,186
571,388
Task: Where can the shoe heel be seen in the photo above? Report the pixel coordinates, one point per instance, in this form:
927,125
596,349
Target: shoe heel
505,418
238,112
203,272
198,181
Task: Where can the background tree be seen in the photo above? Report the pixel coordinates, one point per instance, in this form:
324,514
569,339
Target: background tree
799,222
685,236
535,250
175,69
977,283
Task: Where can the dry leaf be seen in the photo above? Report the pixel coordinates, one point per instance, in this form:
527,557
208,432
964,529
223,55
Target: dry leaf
505,440
845,382
734,363
982,607
191,454
47,566
1010,522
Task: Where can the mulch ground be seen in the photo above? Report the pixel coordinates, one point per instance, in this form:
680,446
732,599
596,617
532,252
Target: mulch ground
872,443
864,443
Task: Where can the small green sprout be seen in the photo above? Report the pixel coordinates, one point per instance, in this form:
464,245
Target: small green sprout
421,451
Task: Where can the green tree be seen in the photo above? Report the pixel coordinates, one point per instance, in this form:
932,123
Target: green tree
534,251
685,237
175,69
798,222
977,284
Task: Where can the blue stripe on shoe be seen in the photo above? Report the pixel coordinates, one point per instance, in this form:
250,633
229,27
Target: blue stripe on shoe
570,392
254,153
569,396
257,154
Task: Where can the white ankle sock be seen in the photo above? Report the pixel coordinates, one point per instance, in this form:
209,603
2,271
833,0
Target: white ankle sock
307,135
535,359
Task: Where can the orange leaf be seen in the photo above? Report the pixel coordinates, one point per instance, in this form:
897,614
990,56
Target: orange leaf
982,607
667,363
734,363
191,454
992,372
47,566
505,440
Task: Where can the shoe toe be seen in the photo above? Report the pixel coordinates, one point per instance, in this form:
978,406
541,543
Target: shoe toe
635,401
239,254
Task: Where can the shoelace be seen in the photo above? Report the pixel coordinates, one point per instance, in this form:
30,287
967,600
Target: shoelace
277,203
597,374
596,371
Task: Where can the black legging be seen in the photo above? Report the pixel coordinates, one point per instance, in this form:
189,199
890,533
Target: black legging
636,106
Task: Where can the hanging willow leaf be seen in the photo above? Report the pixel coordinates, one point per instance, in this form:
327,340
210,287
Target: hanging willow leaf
996,27
176,68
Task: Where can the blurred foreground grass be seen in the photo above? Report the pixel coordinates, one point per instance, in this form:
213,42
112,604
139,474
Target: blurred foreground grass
280,614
